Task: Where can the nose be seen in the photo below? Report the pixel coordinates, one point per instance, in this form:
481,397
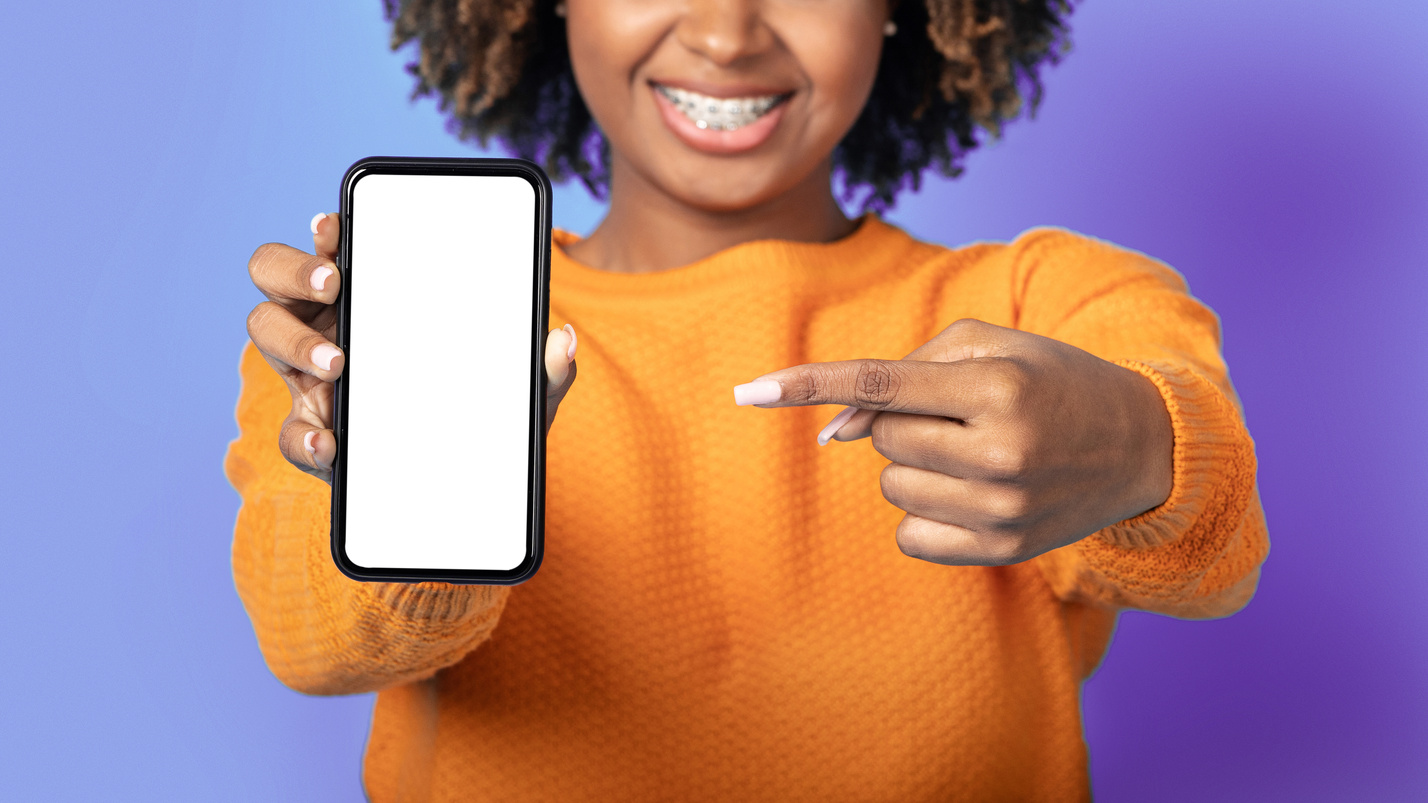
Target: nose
724,31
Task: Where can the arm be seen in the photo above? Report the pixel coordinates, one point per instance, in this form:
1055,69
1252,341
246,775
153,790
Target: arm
1099,437
1198,553
321,632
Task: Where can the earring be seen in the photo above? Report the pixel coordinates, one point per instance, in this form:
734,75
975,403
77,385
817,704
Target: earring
560,10
889,28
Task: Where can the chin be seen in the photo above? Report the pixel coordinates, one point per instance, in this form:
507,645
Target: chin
726,202
725,191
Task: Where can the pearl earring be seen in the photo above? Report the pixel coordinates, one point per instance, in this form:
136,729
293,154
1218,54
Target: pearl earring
889,28
560,10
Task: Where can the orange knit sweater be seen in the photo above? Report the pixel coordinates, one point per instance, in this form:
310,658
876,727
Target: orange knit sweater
723,613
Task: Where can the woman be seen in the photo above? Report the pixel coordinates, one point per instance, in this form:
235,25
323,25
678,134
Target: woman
730,609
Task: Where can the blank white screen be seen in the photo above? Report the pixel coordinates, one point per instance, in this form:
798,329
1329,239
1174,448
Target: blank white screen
439,371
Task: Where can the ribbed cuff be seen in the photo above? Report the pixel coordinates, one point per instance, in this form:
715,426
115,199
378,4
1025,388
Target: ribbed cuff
438,602
1208,436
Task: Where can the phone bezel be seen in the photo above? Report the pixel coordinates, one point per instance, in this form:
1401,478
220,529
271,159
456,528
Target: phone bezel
540,316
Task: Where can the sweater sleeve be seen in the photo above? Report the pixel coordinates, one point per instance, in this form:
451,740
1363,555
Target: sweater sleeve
1198,554
320,631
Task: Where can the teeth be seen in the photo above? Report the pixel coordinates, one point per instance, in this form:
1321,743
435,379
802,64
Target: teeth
719,114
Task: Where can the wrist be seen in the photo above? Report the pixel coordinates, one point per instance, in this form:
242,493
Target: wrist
1153,446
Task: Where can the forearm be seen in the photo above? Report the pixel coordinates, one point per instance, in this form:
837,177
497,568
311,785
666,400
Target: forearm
1197,554
323,633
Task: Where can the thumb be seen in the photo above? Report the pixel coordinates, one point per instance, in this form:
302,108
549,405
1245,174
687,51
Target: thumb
559,356
849,425
560,347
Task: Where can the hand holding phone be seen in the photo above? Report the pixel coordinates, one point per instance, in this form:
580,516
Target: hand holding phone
296,331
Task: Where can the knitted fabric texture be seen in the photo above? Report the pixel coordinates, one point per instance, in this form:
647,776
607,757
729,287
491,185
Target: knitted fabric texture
723,612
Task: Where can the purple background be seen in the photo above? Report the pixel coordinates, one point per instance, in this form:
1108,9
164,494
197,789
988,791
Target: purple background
1273,152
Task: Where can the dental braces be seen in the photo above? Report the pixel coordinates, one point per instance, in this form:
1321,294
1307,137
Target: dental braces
719,114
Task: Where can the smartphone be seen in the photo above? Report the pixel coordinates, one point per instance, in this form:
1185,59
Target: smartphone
440,466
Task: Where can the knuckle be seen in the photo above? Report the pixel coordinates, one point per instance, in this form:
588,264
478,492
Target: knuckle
907,544
259,319
1007,551
806,387
1007,382
1006,462
262,256
290,440
897,437
877,384
893,483
967,326
1010,507
884,433
910,540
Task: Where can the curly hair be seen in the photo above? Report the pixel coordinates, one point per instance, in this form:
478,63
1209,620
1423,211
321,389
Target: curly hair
954,68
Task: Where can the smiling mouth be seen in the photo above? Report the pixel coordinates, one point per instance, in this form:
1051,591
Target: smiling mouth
719,114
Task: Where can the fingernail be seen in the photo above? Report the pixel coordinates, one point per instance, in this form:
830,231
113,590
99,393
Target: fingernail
570,352
307,443
319,277
316,219
836,424
762,392
323,355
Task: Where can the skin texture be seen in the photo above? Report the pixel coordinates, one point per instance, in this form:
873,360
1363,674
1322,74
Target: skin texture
299,321
1003,444
825,53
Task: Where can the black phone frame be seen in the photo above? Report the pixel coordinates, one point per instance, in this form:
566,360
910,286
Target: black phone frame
540,316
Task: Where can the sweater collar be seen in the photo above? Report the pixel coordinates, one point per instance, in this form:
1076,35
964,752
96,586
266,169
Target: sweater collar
874,247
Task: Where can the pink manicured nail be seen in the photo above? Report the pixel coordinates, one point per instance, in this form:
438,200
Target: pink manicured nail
323,355
316,219
836,424
570,352
764,391
319,277
307,443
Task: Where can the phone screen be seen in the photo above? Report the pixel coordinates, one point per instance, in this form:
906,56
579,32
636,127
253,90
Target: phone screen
440,468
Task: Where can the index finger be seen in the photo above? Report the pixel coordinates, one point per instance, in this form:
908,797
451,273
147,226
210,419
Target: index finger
852,423
952,389
964,339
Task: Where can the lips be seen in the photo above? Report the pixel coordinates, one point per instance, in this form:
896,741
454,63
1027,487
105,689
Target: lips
731,122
